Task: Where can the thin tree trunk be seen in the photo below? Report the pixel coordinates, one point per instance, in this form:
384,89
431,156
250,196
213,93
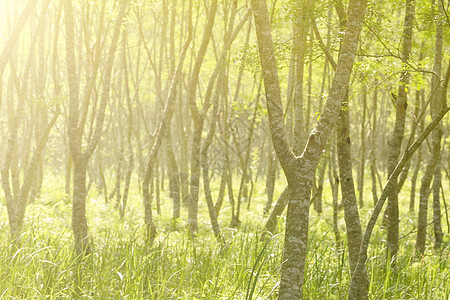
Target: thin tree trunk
157,193
354,286
198,118
334,184
352,220
223,183
418,161
205,171
278,209
373,142
318,192
162,126
270,178
362,158
246,162
395,142
438,102
437,224
174,177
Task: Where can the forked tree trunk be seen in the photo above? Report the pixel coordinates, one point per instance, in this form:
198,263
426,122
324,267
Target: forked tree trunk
78,115
205,169
16,203
300,170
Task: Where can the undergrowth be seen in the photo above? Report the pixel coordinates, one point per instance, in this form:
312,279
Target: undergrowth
42,264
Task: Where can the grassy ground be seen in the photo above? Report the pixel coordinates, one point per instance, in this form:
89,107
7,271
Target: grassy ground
122,266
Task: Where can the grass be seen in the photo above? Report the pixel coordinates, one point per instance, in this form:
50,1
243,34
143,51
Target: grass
123,266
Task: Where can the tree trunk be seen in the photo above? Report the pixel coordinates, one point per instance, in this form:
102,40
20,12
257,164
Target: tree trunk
334,185
78,116
438,102
318,192
79,221
362,158
278,209
373,142
174,177
205,171
192,222
352,220
223,183
395,143
270,179
300,170
160,132
354,287
418,161
198,118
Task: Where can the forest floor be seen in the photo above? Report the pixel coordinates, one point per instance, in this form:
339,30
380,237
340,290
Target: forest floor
122,266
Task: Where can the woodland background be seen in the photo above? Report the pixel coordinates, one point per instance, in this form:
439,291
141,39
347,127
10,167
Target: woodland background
141,144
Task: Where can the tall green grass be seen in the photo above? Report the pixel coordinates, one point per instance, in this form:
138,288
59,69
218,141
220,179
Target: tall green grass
42,265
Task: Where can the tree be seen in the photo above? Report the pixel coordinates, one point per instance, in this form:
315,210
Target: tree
164,122
18,187
354,287
433,169
300,170
395,142
198,118
78,112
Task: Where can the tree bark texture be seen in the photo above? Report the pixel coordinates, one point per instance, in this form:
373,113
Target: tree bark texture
300,170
